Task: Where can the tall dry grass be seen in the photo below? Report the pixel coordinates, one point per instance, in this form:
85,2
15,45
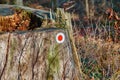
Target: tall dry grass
100,57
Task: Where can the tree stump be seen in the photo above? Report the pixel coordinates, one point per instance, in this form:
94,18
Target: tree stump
35,55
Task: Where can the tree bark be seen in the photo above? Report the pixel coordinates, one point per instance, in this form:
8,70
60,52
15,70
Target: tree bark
92,9
87,8
35,55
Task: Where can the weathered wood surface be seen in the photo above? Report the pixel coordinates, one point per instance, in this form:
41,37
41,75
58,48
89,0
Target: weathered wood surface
35,55
43,14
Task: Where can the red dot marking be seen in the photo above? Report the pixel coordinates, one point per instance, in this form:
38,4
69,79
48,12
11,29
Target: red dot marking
60,37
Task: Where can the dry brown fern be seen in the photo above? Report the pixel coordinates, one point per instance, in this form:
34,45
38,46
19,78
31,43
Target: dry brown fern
114,16
17,21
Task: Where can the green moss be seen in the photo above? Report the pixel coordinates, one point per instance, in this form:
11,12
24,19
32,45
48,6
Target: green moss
53,61
12,51
60,19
